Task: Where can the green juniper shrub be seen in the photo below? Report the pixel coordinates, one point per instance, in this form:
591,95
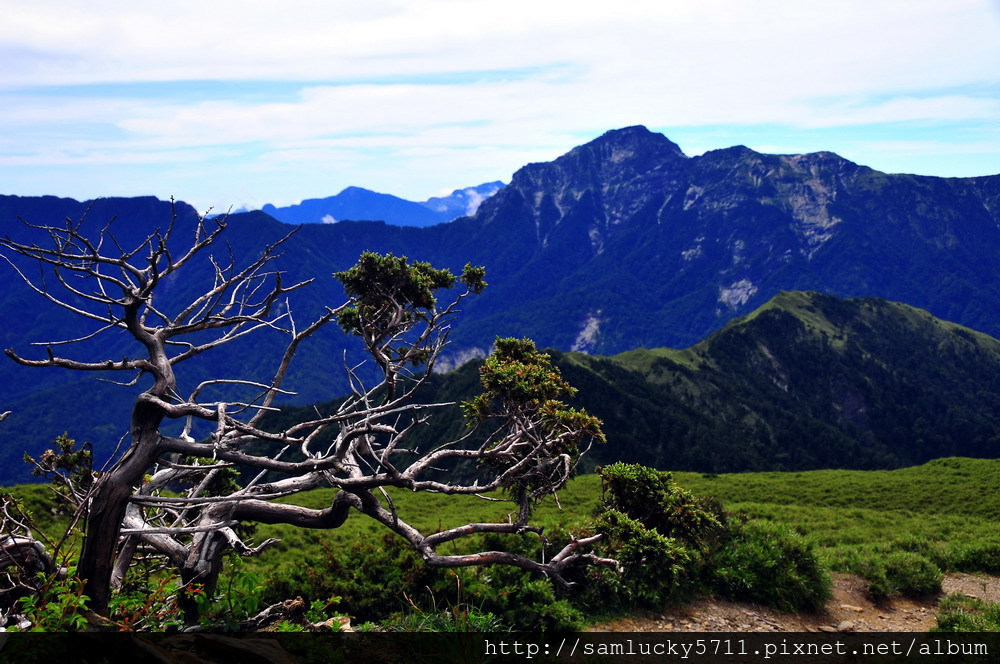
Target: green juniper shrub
653,568
977,556
383,580
661,535
521,599
371,576
769,563
958,613
65,459
899,573
655,500
525,602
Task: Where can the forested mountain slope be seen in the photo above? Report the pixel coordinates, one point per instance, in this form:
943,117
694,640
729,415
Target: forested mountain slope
806,381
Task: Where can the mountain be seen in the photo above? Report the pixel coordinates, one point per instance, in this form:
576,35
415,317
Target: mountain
622,243
462,202
626,242
806,381
356,203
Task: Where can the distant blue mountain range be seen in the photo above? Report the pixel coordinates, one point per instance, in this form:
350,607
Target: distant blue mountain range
358,204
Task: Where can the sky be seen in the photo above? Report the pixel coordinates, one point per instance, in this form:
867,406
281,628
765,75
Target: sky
236,104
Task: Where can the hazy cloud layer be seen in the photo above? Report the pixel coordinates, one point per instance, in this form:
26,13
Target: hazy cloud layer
228,103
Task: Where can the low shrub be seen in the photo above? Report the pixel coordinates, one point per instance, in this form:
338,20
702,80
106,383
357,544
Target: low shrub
371,576
660,534
771,564
958,613
521,599
654,569
383,580
652,498
898,573
978,556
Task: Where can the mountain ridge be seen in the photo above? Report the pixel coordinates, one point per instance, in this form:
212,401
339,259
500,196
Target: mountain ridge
360,204
811,381
622,243
718,234
806,381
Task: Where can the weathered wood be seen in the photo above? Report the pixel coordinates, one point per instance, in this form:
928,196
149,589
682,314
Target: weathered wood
25,554
392,306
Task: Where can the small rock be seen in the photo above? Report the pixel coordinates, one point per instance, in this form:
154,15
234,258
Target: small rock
851,607
845,626
827,628
343,623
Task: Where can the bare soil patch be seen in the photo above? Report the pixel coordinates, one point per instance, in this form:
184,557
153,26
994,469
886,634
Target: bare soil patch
849,610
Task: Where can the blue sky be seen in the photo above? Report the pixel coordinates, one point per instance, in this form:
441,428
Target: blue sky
229,104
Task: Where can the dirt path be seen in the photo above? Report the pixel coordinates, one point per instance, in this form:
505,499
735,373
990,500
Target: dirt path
849,610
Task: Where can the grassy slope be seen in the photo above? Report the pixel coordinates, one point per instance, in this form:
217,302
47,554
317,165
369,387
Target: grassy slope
938,510
807,307
935,509
952,486
806,381
941,509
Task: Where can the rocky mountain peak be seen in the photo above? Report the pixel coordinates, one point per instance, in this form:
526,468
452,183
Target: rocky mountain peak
601,182
621,154
616,156
721,232
634,138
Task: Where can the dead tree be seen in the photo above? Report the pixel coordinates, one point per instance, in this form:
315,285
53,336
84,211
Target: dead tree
360,449
22,558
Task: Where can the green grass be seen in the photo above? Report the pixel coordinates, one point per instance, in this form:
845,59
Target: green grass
894,527
39,501
898,529
426,512
937,509
641,359
958,613
952,486
799,303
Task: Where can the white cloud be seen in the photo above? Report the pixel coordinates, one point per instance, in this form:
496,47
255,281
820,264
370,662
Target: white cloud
418,96
944,108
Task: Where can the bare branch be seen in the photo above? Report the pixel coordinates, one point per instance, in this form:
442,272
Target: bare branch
212,527
361,448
